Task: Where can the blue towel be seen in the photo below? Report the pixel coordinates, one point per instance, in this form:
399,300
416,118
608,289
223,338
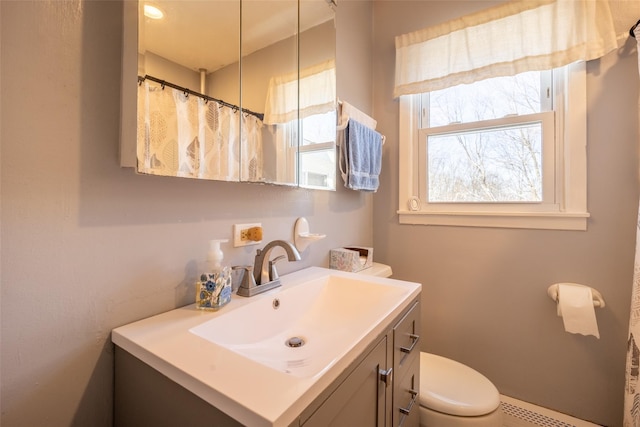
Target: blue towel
363,152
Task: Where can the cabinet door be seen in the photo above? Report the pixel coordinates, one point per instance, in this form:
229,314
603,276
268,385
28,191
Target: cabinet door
360,399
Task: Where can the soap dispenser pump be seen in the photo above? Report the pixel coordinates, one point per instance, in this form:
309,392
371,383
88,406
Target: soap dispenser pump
213,290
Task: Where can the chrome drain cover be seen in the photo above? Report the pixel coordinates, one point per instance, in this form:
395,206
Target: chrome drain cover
295,342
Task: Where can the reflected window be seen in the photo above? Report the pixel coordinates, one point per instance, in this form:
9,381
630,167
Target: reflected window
300,112
317,153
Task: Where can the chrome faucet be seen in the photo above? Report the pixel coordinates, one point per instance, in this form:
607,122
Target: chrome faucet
264,276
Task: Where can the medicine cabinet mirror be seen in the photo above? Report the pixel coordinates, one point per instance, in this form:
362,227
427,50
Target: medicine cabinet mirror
232,90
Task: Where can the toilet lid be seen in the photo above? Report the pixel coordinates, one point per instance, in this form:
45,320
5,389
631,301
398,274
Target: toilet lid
452,388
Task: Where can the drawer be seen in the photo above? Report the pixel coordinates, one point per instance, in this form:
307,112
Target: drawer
406,399
406,340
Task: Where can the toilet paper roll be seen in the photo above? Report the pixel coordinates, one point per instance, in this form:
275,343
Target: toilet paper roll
575,305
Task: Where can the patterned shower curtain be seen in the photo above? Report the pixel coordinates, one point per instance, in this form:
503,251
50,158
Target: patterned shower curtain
632,389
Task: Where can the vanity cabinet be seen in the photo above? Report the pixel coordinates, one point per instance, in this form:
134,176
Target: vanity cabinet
360,399
388,377
379,389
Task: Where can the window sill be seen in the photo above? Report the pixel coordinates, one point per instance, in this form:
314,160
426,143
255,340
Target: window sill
531,220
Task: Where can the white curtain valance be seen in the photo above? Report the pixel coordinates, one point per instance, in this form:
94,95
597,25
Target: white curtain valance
511,38
316,94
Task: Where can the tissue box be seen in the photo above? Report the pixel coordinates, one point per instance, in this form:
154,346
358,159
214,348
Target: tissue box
351,259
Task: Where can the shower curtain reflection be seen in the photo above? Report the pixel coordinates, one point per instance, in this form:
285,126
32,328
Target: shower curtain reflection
185,135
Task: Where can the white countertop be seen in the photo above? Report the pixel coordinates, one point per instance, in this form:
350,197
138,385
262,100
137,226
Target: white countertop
249,392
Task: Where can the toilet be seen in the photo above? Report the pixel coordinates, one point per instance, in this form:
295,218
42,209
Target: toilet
451,393
455,395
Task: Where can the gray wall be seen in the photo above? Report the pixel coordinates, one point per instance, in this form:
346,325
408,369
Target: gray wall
88,246
484,294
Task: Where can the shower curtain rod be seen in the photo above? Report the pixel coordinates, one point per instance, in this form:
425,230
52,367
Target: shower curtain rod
164,83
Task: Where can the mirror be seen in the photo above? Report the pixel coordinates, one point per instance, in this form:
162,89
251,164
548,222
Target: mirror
193,48
212,108
318,105
261,64
293,81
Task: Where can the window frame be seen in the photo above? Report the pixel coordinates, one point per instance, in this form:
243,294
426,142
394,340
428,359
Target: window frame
545,119
568,210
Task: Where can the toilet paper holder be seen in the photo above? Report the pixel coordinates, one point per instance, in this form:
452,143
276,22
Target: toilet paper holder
598,301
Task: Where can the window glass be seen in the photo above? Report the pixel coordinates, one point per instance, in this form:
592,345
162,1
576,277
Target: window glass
319,128
490,99
488,166
317,152
318,168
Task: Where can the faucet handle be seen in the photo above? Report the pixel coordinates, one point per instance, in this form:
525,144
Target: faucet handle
242,267
248,281
273,273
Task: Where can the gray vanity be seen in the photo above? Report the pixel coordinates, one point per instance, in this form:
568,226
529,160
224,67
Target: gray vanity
187,368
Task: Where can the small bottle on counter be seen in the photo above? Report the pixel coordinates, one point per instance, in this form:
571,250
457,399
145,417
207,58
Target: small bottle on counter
213,289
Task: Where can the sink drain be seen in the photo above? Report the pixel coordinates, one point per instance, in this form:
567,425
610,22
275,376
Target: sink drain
294,342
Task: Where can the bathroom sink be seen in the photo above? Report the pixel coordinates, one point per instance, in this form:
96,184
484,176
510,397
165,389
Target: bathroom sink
238,359
302,330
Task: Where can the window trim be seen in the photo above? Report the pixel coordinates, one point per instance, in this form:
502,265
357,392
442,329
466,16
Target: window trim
569,212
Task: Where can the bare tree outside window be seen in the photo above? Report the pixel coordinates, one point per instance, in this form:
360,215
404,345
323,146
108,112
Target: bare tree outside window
491,163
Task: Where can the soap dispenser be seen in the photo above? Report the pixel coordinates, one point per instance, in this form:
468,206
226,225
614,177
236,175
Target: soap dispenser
213,290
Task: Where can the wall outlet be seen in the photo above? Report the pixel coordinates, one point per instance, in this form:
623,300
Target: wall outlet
241,235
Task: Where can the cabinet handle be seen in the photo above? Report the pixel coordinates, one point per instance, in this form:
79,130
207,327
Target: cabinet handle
414,397
414,339
386,376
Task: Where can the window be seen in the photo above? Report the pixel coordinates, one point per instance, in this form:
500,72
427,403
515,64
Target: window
501,152
304,104
317,151
313,162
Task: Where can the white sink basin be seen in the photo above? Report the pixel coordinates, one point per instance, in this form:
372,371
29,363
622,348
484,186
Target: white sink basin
328,314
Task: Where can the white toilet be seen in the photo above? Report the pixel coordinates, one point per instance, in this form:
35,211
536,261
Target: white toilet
455,395
452,394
